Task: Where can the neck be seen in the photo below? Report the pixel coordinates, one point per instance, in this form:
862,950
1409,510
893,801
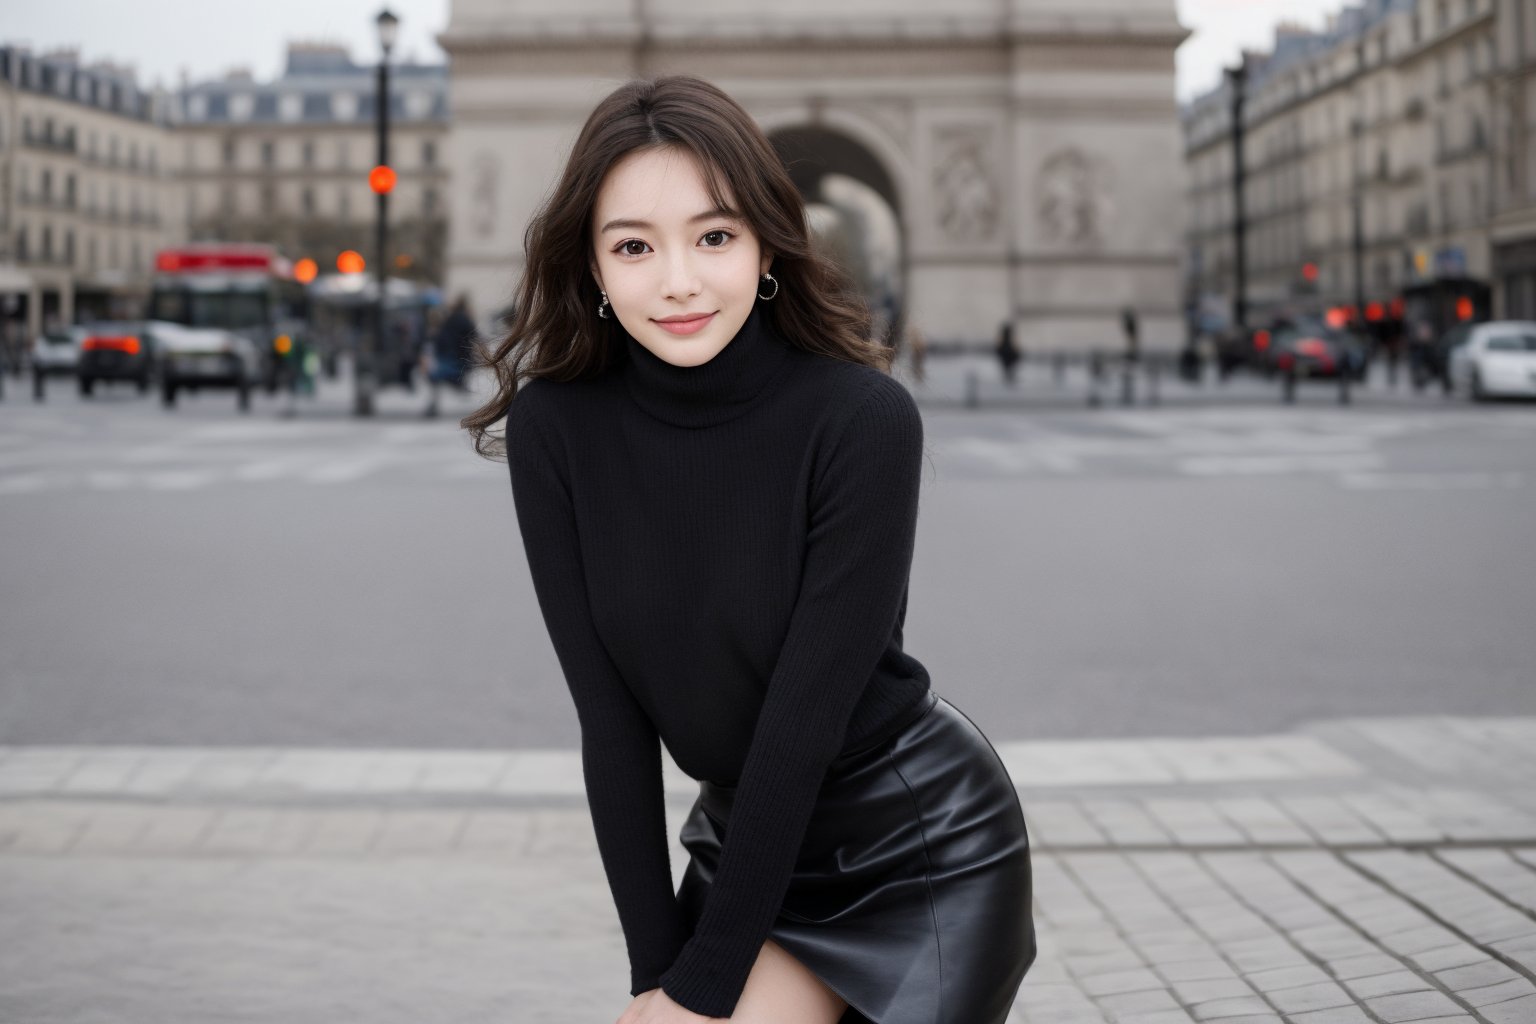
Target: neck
726,386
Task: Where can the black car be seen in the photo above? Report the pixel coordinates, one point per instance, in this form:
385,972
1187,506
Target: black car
115,350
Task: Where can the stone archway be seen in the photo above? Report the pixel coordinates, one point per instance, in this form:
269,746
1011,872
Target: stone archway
855,207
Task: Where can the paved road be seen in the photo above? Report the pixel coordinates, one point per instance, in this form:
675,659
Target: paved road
210,578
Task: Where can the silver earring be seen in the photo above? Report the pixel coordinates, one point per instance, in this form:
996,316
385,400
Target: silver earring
770,280
602,307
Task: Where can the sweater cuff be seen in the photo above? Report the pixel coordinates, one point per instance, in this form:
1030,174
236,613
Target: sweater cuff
696,982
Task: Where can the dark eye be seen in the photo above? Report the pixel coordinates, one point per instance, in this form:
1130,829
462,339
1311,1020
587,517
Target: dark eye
720,238
628,247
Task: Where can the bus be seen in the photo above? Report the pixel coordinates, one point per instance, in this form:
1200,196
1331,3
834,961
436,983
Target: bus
244,287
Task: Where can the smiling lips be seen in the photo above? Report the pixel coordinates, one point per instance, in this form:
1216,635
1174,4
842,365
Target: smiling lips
685,323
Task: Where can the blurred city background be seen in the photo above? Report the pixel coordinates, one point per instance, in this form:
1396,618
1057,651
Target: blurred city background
1222,318
1207,309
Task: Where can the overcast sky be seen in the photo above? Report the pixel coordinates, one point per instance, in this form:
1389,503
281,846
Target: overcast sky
160,38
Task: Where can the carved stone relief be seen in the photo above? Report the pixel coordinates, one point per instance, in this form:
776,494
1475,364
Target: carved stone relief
1074,195
966,196
484,174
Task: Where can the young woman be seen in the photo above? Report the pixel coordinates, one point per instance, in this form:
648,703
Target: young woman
716,483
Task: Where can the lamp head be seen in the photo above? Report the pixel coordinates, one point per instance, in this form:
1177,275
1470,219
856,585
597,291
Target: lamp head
388,25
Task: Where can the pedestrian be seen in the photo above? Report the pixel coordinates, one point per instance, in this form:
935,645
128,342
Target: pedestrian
453,348
1007,351
716,483
918,344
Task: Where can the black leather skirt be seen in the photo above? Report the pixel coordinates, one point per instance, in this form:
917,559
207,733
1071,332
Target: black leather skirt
911,894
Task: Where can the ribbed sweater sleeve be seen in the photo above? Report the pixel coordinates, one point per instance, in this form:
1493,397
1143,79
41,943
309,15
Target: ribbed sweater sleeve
859,544
620,747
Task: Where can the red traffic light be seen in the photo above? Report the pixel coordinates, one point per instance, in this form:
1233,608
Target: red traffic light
1309,271
382,179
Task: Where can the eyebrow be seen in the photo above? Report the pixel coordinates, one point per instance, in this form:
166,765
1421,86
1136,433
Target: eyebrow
717,212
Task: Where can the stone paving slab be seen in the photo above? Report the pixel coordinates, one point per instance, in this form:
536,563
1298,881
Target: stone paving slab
1341,874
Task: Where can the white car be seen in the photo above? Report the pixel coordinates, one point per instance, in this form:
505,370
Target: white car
57,351
1497,359
192,358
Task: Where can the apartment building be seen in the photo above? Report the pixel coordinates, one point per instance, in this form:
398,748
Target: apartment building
87,180
1368,152
287,161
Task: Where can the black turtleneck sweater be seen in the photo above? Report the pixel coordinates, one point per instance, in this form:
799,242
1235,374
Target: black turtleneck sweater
720,554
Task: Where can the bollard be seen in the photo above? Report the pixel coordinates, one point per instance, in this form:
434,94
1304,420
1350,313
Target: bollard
1344,386
1288,386
972,399
1095,378
1128,383
1154,371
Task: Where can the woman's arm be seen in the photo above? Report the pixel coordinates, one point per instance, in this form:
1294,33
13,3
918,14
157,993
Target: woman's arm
620,749
858,557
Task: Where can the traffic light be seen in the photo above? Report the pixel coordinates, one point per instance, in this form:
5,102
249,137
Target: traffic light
382,179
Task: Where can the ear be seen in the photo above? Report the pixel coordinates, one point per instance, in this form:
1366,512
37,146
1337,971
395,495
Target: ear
765,263
597,276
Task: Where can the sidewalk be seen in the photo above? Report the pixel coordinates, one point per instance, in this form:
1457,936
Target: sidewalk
1355,870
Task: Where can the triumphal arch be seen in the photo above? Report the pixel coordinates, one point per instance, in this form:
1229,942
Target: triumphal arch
1028,149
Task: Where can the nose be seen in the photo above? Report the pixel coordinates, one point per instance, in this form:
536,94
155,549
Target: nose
682,277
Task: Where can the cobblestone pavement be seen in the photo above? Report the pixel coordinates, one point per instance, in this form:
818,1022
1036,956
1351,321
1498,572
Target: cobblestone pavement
1356,870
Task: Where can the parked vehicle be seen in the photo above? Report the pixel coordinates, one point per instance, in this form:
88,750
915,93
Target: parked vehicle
1311,348
55,354
115,350
1497,359
193,358
244,287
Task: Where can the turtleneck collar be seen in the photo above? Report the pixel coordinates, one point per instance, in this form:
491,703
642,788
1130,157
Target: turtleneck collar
713,392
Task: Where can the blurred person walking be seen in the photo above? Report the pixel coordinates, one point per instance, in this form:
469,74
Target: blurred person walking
452,352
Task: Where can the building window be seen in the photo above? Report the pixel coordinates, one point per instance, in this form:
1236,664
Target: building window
341,154
308,199
231,148
21,245
268,200
69,246
227,200
47,247
268,154
428,153
429,202
309,154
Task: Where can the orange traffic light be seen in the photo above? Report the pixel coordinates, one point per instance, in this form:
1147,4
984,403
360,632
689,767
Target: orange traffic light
305,270
382,179
350,262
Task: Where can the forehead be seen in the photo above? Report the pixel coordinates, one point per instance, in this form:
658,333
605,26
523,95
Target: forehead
657,184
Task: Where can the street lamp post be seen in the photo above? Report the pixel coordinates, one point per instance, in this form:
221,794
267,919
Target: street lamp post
1238,78
367,369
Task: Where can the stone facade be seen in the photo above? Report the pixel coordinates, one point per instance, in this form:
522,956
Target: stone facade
1513,230
1029,148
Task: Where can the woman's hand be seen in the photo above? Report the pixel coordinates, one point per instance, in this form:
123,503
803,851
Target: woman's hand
656,1007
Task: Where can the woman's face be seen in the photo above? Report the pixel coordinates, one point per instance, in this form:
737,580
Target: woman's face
681,276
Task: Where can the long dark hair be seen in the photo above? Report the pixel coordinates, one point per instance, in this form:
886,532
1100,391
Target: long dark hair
554,330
